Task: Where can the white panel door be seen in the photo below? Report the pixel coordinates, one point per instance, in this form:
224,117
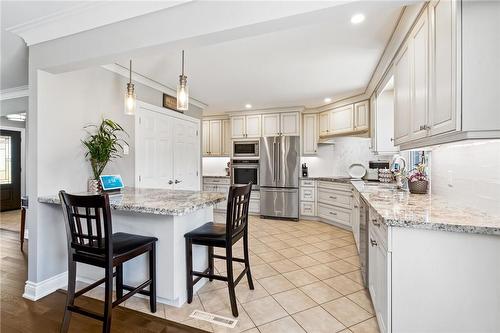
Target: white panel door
226,137
238,127
442,115
341,120
271,124
402,97
252,126
215,137
290,123
154,148
310,137
324,123
205,143
419,40
361,116
186,155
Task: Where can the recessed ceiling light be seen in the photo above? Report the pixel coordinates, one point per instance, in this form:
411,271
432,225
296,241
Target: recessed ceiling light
248,106
357,18
327,99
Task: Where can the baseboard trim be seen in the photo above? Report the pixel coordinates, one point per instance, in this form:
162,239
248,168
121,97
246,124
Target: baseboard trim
37,290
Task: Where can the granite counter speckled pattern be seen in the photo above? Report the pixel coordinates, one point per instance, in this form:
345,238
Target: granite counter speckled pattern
400,208
344,180
156,201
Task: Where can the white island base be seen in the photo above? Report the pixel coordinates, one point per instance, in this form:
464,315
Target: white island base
170,252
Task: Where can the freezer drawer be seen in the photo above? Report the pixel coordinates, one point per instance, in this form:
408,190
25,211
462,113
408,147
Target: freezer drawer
278,202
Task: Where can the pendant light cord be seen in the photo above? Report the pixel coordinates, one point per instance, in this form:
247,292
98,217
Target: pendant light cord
130,80
182,62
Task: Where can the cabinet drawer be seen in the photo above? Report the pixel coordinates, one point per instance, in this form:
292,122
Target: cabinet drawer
335,186
307,183
307,193
216,181
255,195
254,206
379,228
307,209
333,197
335,214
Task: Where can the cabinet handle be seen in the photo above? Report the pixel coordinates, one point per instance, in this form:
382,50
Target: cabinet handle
332,213
376,222
178,181
356,206
392,139
170,182
373,242
334,198
425,127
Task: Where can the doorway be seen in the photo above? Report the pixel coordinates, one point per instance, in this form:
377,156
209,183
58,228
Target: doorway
10,170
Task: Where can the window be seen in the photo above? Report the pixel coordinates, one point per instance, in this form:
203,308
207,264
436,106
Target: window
5,160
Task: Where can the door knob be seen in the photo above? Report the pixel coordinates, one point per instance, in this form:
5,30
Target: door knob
178,181
170,182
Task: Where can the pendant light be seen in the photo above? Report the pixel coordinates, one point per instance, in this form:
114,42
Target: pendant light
182,90
130,98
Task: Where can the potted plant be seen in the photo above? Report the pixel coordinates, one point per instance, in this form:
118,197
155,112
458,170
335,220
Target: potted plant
102,144
418,182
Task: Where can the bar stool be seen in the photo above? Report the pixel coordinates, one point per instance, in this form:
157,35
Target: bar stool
223,236
91,241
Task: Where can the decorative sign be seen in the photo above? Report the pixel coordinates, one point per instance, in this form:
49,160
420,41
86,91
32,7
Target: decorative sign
170,102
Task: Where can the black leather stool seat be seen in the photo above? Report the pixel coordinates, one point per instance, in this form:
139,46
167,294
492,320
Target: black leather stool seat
123,242
213,232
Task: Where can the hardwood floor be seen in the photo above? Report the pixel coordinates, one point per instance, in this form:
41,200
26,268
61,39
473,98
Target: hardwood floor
21,315
10,220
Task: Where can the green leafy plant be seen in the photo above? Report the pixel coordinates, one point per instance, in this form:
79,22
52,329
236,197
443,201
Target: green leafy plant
103,144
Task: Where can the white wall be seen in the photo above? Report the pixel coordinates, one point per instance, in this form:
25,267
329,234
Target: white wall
475,169
214,166
334,160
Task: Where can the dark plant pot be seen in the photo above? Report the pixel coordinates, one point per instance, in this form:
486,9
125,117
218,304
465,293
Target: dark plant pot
418,187
94,186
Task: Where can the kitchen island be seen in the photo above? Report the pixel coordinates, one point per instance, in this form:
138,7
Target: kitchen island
432,266
167,215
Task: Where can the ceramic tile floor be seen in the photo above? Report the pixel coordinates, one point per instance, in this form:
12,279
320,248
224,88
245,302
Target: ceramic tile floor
306,276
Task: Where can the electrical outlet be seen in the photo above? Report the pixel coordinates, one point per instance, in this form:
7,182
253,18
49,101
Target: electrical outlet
450,178
126,150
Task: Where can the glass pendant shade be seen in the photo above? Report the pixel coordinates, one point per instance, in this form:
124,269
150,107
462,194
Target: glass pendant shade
130,100
182,94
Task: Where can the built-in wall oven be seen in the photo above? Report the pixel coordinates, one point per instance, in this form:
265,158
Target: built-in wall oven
246,149
244,171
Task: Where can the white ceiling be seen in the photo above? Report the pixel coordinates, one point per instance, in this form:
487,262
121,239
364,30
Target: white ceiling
326,56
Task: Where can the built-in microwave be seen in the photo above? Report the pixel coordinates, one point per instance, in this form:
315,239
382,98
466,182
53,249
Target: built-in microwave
246,149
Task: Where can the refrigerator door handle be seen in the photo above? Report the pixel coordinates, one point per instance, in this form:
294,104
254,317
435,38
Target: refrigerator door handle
279,160
274,160
288,190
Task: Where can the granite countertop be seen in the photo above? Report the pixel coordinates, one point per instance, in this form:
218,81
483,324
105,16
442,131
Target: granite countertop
335,179
155,201
399,208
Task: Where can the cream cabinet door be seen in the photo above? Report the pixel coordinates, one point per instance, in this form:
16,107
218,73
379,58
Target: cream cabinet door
443,111
420,55
290,123
361,116
252,126
215,137
310,135
226,137
341,120
238,127
324,123
271,124
206,138
402,96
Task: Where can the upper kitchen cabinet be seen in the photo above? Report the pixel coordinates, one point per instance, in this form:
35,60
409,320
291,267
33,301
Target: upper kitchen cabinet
310,134
275,124
382,119
444,73
345,120
216,134
243,127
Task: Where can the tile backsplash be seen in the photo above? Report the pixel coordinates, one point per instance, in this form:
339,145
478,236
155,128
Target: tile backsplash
468,174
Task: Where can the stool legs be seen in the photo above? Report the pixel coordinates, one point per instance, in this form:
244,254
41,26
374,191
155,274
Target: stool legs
108,299
152,276
230,281
70,295
189,270
247,261
119,281
211,261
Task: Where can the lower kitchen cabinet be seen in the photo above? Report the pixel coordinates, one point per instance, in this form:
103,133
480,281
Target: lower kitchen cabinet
307,197
217,184
335,203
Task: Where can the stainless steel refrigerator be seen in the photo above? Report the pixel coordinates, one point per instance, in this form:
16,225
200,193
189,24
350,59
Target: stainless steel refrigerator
279,176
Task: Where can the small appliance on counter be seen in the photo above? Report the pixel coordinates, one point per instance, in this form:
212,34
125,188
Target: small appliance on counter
374,167
305,172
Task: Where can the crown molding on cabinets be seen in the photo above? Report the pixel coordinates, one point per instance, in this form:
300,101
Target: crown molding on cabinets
264,111
85,16
123,71
16,92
